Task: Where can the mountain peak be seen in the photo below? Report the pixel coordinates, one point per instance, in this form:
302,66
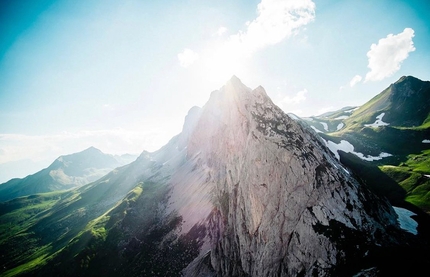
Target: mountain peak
406,79
234,79
92,149
254,161
235,84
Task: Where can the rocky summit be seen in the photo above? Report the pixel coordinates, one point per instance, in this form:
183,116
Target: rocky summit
244,190
275,201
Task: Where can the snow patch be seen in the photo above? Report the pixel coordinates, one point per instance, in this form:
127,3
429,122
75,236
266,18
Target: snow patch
340,126
378,122
293,116
316,130
341,117
349,148
426,141
405,220
351,110
324,125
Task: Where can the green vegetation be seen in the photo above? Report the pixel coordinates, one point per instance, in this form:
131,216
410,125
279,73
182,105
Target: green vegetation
75,233
406,107
22,212
411,176
374,178
20,247
35,229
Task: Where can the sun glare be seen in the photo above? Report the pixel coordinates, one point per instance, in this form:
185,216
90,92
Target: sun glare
223,61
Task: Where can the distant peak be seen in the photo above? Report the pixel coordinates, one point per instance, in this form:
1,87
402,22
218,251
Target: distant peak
92,149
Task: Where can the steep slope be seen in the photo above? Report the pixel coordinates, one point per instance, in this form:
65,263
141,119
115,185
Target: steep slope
406,103
279,197
48,229
395,121
66,172
244,190
390,131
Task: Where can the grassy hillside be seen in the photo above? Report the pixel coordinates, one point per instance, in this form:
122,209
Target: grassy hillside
34,228
132,239
413,176
116,226
63,234
22,243
403,115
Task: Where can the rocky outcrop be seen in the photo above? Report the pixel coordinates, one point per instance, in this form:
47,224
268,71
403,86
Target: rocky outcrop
275,202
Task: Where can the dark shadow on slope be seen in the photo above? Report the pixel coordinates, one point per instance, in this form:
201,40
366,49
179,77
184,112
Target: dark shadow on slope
400,260
135,238
374,178
381,184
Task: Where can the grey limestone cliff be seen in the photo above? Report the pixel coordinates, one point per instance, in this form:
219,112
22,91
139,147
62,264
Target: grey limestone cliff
273,199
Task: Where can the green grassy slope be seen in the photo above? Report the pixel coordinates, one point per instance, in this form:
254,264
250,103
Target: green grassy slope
411,176
64,237
406,107
34,228
132,239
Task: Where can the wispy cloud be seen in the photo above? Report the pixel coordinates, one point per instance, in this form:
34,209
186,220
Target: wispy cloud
324,110
187,57
276,20
14,147
355,80
387,55
289,103
296,99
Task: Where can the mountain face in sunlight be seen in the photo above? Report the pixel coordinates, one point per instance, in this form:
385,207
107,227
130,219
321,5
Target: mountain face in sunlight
243,190
66,172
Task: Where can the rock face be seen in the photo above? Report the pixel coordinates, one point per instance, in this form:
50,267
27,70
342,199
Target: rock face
274,201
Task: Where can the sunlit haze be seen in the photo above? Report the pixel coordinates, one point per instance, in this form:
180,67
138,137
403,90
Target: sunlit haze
122,75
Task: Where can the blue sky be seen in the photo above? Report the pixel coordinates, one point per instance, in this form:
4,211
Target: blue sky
121,75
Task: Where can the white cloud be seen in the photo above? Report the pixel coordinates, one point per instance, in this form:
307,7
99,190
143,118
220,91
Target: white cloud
187,57
324,110
276,20
386,57
355,80
221,30
296,99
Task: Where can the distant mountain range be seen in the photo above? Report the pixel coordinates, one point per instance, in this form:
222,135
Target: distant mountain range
66,172
243,190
